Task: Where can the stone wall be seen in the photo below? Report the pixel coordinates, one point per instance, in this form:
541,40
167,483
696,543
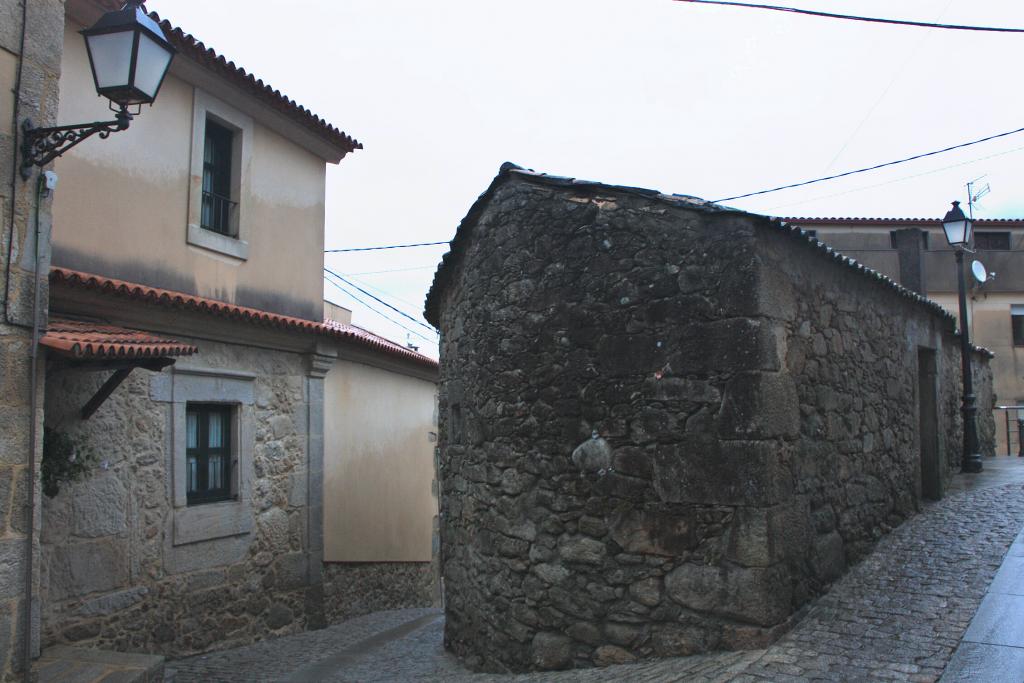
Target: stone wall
664,426
986,398
352,589
128,566
30,54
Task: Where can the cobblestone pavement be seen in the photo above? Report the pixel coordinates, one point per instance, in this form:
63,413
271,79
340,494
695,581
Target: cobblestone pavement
898,615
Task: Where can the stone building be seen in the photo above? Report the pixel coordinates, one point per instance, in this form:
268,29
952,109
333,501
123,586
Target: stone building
666,425
31,42
185,355
914,252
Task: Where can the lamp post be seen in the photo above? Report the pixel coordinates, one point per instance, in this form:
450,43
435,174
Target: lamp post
129,56
958,227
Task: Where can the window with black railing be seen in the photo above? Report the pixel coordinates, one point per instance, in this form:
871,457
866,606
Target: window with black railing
217,160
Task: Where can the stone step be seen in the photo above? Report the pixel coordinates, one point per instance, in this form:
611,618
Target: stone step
63,664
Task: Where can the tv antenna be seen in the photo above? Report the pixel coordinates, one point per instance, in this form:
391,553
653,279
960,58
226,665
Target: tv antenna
974,195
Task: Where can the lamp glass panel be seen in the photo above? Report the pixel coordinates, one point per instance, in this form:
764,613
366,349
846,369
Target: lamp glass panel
955,231
151,66
111,55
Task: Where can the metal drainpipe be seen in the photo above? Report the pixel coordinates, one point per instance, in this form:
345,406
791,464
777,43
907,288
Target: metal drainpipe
33,438
33,380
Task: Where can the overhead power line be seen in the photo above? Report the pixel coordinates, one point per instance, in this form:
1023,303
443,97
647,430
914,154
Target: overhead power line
896,180
381,292
379,300
389,246
869,168
851,17
432,266
383,315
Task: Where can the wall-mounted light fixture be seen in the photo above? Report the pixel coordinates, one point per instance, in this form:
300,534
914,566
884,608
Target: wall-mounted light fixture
129,56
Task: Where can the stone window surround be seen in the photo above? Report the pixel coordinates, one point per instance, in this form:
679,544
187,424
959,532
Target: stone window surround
206,106
178,387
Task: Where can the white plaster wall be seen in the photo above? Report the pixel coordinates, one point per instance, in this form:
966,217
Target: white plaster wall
122,207
379,433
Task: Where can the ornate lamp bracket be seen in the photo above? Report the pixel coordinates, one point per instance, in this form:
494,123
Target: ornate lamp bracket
40,146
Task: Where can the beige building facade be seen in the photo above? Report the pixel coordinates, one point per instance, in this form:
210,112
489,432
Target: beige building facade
151,176
995,308
185,353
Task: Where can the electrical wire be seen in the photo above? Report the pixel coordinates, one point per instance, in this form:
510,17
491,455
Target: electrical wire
374,310
869,168
852,17
391,270
892,81
380,301
383,315
382,292
389,246
895,180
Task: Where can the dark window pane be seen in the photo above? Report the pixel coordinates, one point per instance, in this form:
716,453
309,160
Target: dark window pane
217,154
996,241
208,452
1018,330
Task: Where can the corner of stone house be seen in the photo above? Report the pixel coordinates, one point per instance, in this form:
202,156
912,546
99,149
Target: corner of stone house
767,542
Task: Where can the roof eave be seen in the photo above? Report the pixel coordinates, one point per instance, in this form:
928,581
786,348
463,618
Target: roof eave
189,70
201,66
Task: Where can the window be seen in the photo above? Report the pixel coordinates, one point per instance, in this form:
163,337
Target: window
994,241
1017,321
220,163
892,240
208,452
217,162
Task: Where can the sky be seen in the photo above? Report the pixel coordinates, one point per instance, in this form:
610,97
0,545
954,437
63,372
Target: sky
692,99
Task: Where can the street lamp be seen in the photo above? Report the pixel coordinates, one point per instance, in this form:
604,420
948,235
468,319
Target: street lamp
958,233
129,56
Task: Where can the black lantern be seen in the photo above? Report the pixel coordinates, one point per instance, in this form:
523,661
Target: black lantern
958,233
957,227
129,56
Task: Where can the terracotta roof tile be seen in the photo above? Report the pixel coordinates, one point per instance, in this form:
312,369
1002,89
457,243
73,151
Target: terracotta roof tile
91,340
356,332
197,51
934,222
171,299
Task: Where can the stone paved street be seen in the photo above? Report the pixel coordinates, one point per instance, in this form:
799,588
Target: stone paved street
898,615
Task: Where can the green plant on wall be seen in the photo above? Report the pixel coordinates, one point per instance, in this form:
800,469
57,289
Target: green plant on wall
63,461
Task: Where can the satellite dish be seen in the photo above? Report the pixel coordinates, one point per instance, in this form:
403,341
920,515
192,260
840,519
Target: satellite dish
979,272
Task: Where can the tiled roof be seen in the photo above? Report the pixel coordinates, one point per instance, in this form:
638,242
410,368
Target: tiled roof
171,299
367,337
91,340
853,220
789,226
196,50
